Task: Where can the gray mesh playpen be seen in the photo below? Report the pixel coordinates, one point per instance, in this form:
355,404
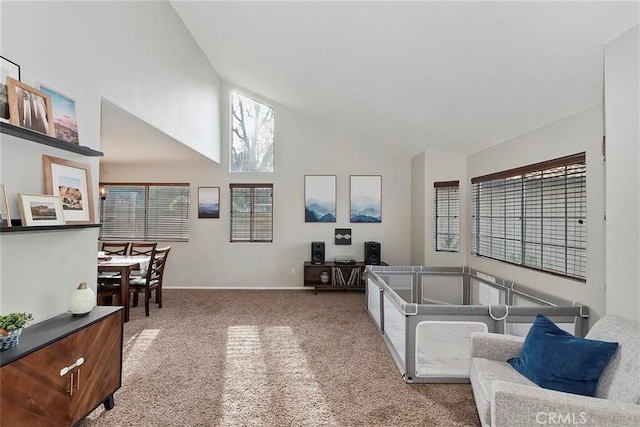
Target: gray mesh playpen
426,315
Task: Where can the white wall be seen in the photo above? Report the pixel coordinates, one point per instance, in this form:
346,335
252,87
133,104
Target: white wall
440,166
304,146
136,54
418,194
581,132
622,113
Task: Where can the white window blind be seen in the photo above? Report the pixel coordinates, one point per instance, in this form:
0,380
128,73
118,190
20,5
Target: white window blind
534,216
251,212
446,224
154,212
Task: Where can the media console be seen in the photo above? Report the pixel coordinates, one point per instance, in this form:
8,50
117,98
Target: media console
340,276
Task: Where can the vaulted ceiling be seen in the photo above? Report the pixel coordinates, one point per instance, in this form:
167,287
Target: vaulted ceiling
449,76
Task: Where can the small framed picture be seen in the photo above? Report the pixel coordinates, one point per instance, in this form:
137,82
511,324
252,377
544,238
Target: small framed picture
71,182
29,108
8,68
208,202
64,115
5,214
39,210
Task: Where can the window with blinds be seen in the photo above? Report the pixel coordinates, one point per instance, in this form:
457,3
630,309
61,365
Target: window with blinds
154,212
534,216
251,212
446,223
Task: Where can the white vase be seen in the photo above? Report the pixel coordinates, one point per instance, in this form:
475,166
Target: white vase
82,300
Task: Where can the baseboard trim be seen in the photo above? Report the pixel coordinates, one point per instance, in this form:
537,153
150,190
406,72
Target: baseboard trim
242,288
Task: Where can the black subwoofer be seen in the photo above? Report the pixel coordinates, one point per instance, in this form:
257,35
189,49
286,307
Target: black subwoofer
317,252
372,253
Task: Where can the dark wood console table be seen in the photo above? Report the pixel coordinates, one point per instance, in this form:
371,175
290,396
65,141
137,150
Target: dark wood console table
62,369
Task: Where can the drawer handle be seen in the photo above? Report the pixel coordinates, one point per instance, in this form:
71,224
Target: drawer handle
64,371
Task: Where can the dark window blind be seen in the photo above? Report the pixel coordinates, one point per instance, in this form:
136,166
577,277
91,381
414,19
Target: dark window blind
251,212
154,212
534,216
446,222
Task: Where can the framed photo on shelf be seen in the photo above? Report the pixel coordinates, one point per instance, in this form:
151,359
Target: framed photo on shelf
71,182
64,115
40,210
319,198
366,198
8,68
5,213
30,108
208,202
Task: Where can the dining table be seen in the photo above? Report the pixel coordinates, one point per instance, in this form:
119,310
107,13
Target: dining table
124,264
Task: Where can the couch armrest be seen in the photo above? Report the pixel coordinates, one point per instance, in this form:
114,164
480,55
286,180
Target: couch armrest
515,405
495,346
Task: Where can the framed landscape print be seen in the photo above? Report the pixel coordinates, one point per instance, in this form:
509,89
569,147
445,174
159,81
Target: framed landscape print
71,182
366,198
208,202
8,68
29,108
64,115
320,198
40,210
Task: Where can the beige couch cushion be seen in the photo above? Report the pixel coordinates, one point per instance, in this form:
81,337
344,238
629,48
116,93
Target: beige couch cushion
482,374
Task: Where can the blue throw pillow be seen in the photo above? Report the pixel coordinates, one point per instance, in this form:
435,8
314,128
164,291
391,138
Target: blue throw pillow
555,359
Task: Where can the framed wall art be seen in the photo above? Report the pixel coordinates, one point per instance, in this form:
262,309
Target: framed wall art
8,68
366,198
40,210
71,182
208,202
30,108
342,236
64,115
320,198
5,214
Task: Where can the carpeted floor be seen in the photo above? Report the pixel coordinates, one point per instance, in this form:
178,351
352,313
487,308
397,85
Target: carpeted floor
269,358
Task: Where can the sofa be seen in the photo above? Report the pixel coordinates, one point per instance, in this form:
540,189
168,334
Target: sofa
504,397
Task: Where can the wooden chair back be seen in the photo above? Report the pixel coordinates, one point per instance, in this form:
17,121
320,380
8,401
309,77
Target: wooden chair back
115,248
142,248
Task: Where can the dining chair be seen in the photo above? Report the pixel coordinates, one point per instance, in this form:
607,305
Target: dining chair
106,292
112,248
145,248
152,281
115,248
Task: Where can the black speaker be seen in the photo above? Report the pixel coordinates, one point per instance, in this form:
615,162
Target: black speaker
372,253
317,252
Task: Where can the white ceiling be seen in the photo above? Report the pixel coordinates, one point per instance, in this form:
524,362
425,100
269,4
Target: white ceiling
448,76
124,138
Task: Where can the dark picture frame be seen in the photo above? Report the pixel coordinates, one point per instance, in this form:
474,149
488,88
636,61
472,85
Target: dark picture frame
8,68
342,236
208,202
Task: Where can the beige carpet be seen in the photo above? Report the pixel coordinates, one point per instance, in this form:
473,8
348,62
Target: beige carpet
269,358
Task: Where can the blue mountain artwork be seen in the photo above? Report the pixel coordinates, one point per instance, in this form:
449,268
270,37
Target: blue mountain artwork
208,210
365,209
317,211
